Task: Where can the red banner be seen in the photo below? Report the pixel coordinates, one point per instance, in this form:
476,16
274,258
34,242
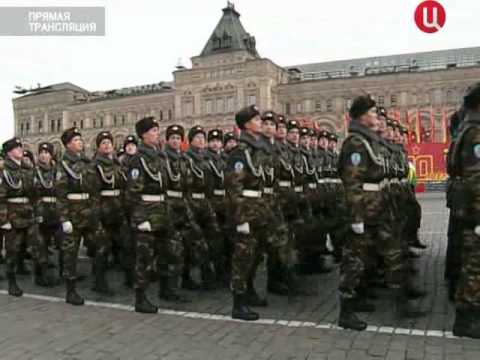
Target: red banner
429,160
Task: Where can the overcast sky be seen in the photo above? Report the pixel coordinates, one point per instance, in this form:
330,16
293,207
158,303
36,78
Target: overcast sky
145,38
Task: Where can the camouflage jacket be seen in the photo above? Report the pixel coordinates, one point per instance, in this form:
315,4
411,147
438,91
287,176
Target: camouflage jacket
298,167
269,163
283,167
362,168
199,172
76,177
244,176
46,204
177,170
310,168
146,187
111,182
466,165
16,182
217,163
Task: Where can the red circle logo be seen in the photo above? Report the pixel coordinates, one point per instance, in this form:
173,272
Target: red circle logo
430,16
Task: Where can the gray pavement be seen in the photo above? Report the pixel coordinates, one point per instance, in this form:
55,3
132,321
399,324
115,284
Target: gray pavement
41,326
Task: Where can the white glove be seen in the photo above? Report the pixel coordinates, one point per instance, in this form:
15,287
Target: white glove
145,226
243,228
67,227
7,226
39,219
477,230
358,228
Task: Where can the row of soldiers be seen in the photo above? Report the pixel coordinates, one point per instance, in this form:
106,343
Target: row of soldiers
276,191
463,198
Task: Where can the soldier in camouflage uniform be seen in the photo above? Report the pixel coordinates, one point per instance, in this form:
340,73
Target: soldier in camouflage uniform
77,202
196,251
217,195
200,187
244,178
49,232
110,182
465,160
17,217
362,169
158,247
229,142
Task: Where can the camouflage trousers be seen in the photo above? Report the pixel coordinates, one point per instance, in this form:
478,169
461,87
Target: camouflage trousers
468,289
71,244
48,235
158,252
453,261
196,250
14,240
359,253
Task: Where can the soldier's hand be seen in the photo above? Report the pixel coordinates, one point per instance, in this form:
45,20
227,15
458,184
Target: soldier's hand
145,226
67,227
477,230
7,226
358,228
243,228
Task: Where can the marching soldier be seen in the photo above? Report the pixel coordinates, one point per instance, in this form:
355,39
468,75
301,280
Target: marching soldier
49,231
158,249
362,169
217,195
110,182
229,142
77,203
16,209
196,250
465,165
244,177
200,183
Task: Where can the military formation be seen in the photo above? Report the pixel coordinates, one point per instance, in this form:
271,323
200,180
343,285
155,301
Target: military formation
278,195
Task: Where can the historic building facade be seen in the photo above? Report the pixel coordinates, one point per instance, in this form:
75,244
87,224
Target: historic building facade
229,74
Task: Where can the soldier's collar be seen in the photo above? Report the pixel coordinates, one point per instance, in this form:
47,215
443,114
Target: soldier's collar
11,164
363,130
149,151
45,166
104,159
71,156
251,140
473,117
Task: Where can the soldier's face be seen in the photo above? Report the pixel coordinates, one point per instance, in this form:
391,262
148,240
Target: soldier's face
215,145
230,144
198,141
131,149
323,143
105,147
293,136
281,131
44,157
16,153
76,144
332,145
152,136
390,133
313,142
370,119
254,125
269,129
175,141
305,141
382,125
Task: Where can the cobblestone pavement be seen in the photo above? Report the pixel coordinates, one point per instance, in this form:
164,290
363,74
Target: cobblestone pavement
41,326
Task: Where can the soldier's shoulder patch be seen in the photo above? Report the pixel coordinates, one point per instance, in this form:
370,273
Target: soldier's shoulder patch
476,150
238,166
135,173
356,158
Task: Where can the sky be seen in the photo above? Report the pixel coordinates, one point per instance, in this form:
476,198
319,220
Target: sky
145,38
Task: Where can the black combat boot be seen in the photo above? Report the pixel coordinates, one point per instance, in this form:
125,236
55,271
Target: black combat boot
347,318
167,291
277,281
404,306
142,304
416,243
101,284
73,297
252,297
41,278
241,310
414,292
13,288
461,325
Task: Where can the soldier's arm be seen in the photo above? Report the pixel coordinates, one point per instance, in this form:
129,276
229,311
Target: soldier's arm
135,189
235,173
3,202
353,167
62,191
